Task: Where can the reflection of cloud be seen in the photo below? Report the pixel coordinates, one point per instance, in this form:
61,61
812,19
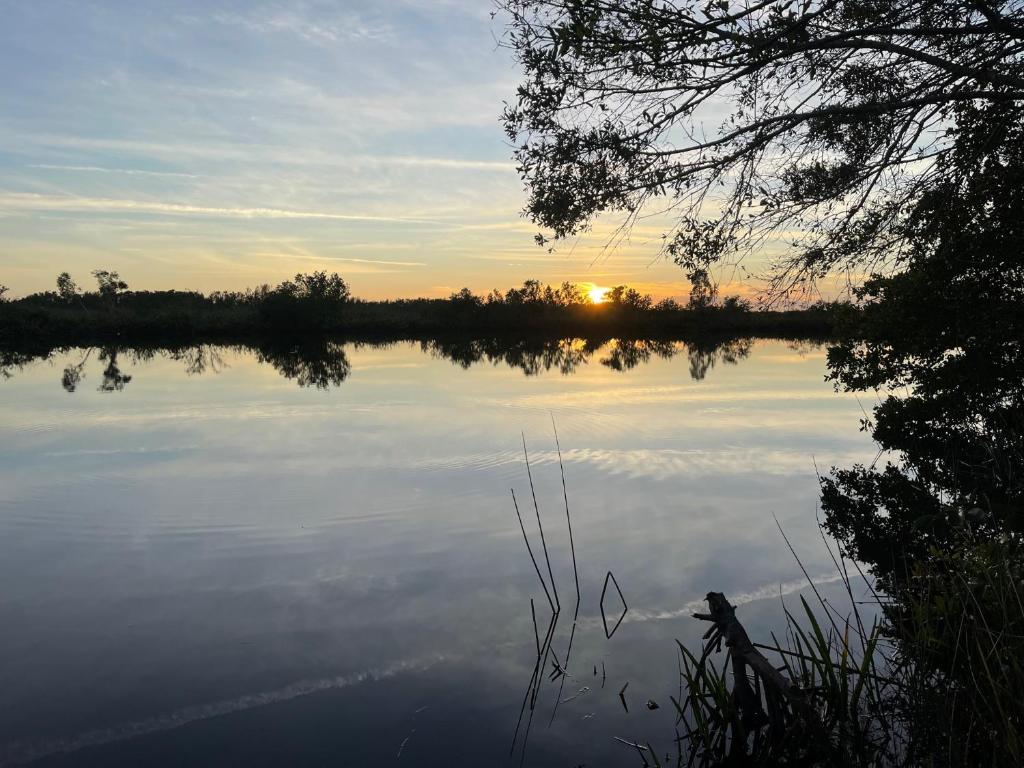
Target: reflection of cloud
672,394
742,598
655,464
24,752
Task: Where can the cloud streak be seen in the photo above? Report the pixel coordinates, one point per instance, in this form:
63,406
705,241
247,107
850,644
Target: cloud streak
271,154
125,171
32,201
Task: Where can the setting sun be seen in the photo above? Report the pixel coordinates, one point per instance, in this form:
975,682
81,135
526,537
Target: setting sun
597,294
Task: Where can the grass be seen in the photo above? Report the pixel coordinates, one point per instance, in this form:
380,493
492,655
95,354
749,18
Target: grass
933,679
929,673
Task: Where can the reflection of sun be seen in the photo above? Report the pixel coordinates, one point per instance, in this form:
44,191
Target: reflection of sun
597,294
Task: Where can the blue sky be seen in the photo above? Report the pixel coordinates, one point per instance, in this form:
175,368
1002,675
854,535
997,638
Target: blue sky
215,145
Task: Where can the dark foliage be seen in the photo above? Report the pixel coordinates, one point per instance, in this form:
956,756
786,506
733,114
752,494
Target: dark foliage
320,303
838,117
940,523
943,341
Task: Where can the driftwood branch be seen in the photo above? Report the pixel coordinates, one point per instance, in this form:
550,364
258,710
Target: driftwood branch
781,697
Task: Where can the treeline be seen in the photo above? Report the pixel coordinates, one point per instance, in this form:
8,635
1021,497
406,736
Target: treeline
322,302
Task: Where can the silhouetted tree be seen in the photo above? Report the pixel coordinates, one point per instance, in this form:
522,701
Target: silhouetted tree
735,304
944,338
109,284
624,296
837,116
67,289
466,297
319,286
702,289
316,301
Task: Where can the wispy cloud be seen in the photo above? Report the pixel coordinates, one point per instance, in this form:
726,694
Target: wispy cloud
324,30
99,169
270,154
22,200
437,162
377,261
208,129
317,257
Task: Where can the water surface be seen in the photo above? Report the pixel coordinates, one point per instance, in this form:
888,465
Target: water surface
271,556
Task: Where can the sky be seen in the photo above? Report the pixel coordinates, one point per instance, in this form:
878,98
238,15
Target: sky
220,145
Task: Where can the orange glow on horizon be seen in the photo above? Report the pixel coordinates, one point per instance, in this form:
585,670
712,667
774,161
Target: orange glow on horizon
597,294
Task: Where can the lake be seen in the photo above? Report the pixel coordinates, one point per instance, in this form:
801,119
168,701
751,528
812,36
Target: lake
286,556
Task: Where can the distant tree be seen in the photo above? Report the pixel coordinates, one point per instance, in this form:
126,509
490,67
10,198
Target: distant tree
109,283
614,294
571,295
838,117
67,289
3,290
624,296
466,297
531,293
320,286
735,304
316,300
668,305
636,300
703,290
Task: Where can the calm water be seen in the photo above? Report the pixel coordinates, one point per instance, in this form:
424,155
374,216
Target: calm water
203,561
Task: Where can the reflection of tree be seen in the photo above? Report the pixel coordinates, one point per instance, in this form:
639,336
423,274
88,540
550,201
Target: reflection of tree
625,354
531,356
74,373
803,347
113,379
323,364
534,356
13,360
704,355
199,359
320,364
